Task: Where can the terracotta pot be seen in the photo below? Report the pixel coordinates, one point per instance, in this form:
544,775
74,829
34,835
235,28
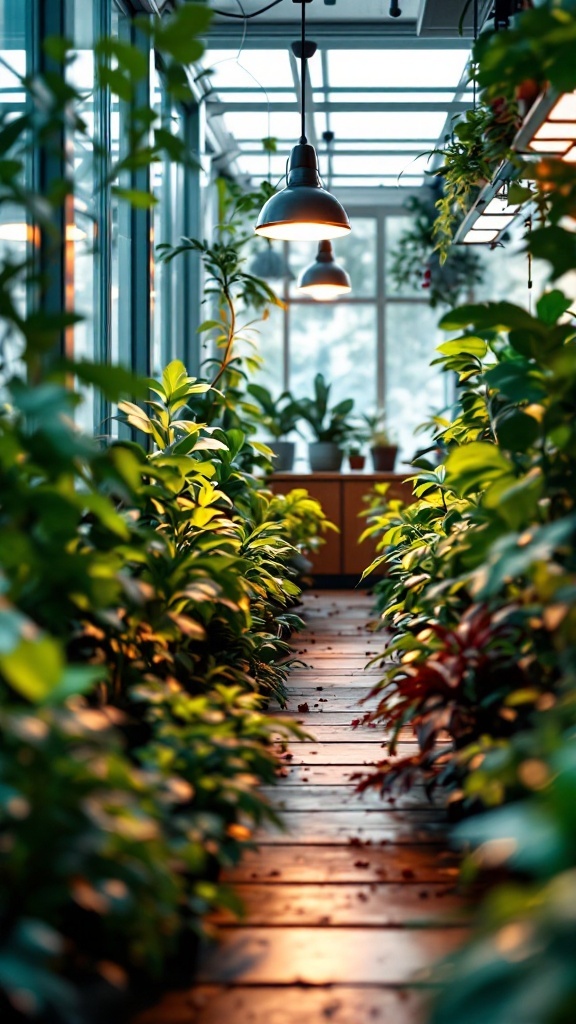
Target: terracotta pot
357,461
325,457
384,457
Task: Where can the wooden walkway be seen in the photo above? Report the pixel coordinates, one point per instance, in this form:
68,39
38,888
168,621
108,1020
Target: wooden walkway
350,907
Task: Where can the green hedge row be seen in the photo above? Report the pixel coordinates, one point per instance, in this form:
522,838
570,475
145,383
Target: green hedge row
480,595
144,617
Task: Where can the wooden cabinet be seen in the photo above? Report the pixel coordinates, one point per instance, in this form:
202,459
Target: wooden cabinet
341,496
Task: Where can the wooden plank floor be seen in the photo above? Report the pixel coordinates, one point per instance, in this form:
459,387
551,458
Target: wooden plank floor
348,908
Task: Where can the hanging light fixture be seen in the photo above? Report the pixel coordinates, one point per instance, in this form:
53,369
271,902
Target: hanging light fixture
303,210
550,127
324,280
489,217
270,265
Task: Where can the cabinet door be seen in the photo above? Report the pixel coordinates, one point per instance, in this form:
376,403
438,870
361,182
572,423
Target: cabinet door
328,560
356,556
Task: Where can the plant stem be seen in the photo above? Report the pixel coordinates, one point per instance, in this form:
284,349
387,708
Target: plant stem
227,357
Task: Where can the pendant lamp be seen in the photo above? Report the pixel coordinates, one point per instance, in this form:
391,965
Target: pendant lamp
303,210
270,265
324,279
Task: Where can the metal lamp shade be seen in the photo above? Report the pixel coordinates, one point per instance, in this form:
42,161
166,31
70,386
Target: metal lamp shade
303,211
270,265
324,279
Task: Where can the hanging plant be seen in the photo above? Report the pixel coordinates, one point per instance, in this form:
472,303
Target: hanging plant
415,261
479,143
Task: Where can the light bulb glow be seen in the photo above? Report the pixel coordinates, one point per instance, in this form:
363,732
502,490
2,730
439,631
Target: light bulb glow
302,231
325,292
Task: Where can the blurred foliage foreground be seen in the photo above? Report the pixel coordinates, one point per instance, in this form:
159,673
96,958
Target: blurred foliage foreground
480,595
146,600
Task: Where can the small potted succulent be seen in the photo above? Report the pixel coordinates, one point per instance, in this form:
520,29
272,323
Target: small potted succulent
355,447
279,417
356,457
330,426
382,445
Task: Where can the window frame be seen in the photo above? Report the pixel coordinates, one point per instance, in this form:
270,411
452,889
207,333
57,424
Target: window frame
380,300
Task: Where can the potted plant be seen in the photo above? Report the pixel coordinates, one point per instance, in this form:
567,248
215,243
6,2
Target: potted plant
330,426
279,417
355,447
382,445
356,457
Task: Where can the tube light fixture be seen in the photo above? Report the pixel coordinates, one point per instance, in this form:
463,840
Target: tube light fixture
550,127
303,210
487,219
324,280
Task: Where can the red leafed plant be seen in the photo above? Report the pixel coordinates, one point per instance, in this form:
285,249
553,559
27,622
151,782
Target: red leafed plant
452,693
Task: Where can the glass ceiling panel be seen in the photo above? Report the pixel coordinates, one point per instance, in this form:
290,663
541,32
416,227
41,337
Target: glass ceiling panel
387,125
315,71
386,145
385,164
256,96
248,124
258,166
392,140
396,67
406,181
447,96
268,67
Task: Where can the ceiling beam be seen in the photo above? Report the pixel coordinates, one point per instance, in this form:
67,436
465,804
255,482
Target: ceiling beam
338,151
454,107
343,35
372,90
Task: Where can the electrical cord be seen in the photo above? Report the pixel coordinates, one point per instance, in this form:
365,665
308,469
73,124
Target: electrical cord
303,139
246,17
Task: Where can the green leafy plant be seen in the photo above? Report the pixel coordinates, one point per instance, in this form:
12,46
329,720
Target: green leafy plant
379,433
479,142
147,599
279,416
327,423
479,594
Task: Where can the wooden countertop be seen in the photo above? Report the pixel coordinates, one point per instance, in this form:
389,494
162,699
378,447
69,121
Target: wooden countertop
360,474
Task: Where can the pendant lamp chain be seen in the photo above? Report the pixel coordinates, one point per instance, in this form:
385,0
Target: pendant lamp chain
304,210
304,69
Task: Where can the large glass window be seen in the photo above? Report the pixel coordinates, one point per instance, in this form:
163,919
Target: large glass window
414,390
340,341
168,226
375,345
507,272
15,233
82,234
